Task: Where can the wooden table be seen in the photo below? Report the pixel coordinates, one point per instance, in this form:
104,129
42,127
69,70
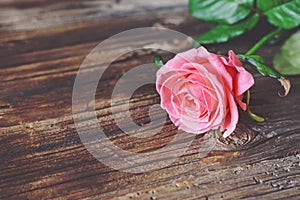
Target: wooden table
42,45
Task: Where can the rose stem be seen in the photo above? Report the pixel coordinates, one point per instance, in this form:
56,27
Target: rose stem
262,41
250,113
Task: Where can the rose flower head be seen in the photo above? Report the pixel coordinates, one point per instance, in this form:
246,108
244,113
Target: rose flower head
200,90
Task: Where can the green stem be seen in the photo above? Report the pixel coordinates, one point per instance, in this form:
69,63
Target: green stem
250,113
262,41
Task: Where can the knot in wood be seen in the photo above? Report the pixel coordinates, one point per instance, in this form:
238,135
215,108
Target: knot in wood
240,137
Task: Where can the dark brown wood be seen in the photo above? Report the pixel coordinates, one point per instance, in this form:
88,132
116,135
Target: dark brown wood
42,45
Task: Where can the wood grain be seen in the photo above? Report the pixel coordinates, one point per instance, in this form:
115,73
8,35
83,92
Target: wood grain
42,45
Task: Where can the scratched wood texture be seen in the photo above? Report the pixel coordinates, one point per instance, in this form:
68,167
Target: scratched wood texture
42,45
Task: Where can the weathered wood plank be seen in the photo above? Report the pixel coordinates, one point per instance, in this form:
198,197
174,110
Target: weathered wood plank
28,15
43,157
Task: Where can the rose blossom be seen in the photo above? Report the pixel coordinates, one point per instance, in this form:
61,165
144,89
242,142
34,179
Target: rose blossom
200,90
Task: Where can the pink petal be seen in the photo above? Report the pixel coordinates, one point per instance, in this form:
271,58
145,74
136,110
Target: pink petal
231,118
244,80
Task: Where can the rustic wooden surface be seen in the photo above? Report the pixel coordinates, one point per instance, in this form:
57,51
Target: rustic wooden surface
43,43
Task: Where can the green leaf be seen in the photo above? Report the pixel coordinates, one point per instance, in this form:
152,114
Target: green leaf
158,61
222,33
285,16
220,11
287,60
260,65
265,5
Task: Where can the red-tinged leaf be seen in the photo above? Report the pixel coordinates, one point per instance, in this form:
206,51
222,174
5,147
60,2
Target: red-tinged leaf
286,85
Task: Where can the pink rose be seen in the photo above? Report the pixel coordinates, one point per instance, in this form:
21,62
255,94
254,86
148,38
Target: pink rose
200,90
